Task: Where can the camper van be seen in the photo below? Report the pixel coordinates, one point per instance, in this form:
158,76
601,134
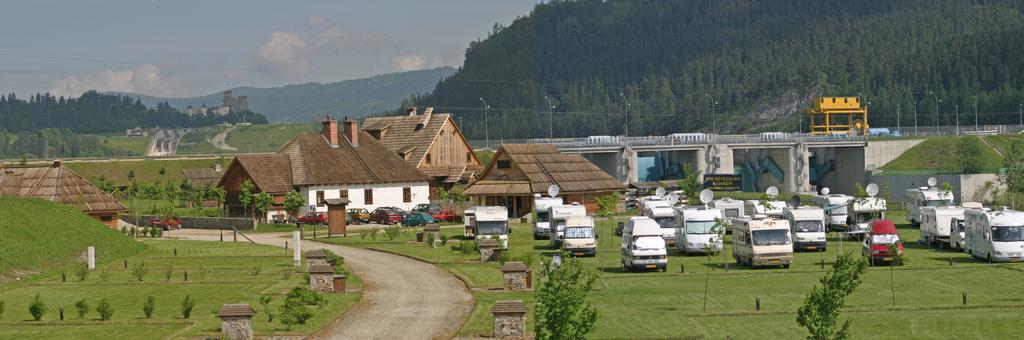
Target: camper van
542,214
696,231
834,206
730,208
936,224
876,245
861,211
469,222
642,246
767,208
925,197
651,202
559,215
808,227
762,241
579,237
957,233
491,223
666,218
995,236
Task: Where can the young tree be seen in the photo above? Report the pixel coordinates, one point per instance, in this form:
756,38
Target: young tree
562,310
690,185
261,202
293,201
37,308
186,307
82,308
820,312
1014,164
148,307
105,310
265,301
245,195
607,204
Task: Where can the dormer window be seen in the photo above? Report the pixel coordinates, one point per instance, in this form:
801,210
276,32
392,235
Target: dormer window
419,127
428,159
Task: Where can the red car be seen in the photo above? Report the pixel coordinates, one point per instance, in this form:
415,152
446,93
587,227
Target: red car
166,224
876,245
314,218
435,211
387,215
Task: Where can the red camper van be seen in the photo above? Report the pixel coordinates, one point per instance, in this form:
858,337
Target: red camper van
876,245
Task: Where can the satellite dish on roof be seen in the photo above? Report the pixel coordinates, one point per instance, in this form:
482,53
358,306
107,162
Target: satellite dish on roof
794,201
673,197
932,181
660,192
553,190
772,191
825,191
706,196
872,189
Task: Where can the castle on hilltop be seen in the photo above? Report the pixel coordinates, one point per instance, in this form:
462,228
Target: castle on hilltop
229,104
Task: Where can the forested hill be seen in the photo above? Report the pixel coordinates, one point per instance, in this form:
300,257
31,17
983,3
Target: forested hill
100,113
761,61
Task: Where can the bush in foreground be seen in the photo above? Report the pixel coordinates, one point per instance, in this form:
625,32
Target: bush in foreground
820,312
562,310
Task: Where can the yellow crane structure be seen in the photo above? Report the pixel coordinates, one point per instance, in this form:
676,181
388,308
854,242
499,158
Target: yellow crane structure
838,115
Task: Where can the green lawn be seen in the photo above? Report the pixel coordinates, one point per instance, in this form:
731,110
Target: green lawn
936,155
229,279
265,138
147,171
197,141
135,145
671,304
1005,142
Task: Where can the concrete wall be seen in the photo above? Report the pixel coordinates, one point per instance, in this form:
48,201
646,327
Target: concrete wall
197,222
849,168
979,187
384,195
879,153
610,162
976,188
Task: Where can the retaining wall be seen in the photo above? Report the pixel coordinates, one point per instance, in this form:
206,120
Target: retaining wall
198,222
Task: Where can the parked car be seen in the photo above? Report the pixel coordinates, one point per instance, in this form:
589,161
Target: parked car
876,247
280,219
359,215
166,224
417,219
439,214
387,215
314,218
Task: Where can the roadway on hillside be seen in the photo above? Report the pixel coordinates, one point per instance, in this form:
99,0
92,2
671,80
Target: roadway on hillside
219,141
402,298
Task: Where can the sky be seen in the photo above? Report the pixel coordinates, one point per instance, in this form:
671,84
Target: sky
184,48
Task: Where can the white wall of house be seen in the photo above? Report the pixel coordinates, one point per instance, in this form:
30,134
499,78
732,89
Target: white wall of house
384,195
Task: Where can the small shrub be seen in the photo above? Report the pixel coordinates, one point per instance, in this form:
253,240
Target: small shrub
306,296
468,247
265,301
444,239
305,278
392,232
82,308
147,308
286,273
430,240
294,314
186,307
139,270
362,235
156,232
82,272
203,271
168,272
336,259
105,275
105,310
1,309
255,271
37,308
131,232
373,233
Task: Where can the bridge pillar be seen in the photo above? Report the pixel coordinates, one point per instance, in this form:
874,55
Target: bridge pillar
799,165
718,159
627,167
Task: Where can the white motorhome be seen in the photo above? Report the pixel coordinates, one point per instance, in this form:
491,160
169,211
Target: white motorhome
995,236
652,201
768,208
925,197
542,213
491,223
762,241
696,231
579,237
469,222
808,227
559,215
730,208
861,211
957,234
642,246
834,206
666,218
937,225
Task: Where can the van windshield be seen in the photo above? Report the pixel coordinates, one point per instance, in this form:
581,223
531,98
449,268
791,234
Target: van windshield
648,242
666,222
1008,234
774,237
808,226
579,232
543,216
732,212
937,203
866,217
700,227
491,228
837,210
885,238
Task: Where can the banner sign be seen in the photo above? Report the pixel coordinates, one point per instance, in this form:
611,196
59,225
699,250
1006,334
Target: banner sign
723,182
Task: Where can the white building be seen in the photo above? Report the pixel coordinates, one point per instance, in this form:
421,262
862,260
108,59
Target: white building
331,164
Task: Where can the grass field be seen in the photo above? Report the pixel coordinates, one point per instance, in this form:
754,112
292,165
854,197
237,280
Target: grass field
229,279
197,142
1005,142
38,236
936,155
147,171
671,305
265,138
135,145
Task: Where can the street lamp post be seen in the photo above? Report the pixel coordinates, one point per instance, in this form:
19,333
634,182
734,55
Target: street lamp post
975,114
915,116
957,110
551,118
714,128
487,135
1020,108
897,117
626,131
937,101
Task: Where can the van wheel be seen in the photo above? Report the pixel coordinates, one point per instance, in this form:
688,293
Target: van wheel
786,266
989,257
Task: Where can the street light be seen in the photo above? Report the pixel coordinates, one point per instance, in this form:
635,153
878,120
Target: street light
897,117
975,114
937,101
714,129
551,118
626,131
957,110
487,136
915,114
1020,108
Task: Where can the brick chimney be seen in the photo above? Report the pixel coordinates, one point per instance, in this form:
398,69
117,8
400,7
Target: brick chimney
410,110
330,130
351,131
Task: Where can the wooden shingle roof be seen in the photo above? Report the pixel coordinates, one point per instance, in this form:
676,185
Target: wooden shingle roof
543,165
514,267
202,176
314,162
405,134
59,184
320,269
271,173
240,309
508,307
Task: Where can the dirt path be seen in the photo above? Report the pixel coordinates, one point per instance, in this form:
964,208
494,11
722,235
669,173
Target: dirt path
220,140
402,298
985,140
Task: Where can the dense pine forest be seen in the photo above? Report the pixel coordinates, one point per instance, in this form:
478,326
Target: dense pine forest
761,61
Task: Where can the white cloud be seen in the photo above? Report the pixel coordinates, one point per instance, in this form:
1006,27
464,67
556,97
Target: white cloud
285,52
414,61
143,79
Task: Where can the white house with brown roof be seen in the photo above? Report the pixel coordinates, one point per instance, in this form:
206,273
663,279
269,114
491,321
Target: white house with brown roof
431,142
330,164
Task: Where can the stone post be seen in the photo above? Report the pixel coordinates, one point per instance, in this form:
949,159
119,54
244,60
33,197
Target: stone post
516,276
91,257
489,250
297,255
236,321
509,319
315,256
432,229
321,278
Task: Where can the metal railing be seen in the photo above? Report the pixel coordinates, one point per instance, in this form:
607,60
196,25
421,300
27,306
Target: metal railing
675,139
